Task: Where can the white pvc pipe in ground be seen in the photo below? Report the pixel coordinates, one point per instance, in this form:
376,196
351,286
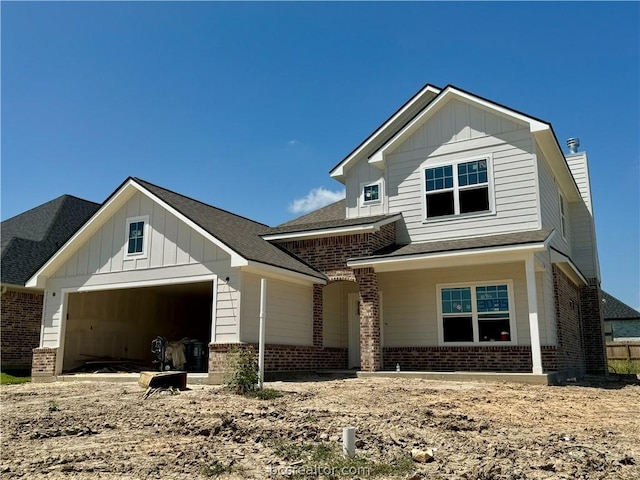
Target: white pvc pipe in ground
349,441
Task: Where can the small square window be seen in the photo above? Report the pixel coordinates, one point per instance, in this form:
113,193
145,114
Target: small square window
371,193
135,236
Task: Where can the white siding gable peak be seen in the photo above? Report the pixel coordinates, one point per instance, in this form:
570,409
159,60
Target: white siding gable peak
104,213
445,96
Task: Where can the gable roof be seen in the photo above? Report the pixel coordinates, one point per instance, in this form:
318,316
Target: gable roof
615,309
29,239
238,236
392,133
239,233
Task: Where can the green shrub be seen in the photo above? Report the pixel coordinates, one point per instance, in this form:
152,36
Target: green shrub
241,371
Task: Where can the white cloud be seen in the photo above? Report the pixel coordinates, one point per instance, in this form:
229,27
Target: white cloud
316,198
293,143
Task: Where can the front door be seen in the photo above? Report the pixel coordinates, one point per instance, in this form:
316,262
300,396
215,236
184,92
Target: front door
354,330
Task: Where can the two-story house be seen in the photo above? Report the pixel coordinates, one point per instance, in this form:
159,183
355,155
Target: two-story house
466,242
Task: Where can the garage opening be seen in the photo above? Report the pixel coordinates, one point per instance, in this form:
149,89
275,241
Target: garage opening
118,326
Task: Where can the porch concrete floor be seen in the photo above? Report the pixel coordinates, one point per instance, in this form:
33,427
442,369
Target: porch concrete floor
529,378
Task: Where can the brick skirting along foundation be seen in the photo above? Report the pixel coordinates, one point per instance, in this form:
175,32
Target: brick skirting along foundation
282,358
471,359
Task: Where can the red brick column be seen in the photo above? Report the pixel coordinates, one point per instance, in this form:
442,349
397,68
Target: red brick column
44,365
318,339
593,328
370,354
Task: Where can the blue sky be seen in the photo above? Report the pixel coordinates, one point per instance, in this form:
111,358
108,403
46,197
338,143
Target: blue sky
247,106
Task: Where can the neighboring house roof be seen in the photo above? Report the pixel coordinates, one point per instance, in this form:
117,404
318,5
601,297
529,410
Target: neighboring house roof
28,240
330,217
491,241
615,309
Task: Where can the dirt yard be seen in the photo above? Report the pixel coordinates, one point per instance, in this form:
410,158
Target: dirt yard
475,431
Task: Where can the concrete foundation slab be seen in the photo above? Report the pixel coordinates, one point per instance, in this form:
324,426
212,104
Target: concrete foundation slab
529,378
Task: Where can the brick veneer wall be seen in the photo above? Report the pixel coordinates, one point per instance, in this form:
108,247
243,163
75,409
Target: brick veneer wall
570,340
472,359
20,318
593,328
330,254
44,364
283,357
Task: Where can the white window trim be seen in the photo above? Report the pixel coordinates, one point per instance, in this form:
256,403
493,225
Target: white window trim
562,212
380,184
456,199
474,315
145,237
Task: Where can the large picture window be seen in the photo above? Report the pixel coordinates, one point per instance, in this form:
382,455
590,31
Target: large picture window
476,313
459,188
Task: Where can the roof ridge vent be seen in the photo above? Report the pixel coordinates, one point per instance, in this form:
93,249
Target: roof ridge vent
573,144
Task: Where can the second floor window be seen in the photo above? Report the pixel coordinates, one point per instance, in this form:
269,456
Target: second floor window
458,188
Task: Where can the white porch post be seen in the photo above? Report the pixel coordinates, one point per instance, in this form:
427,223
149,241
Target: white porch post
532,297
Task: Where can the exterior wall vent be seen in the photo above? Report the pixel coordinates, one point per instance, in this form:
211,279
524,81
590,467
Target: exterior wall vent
573,144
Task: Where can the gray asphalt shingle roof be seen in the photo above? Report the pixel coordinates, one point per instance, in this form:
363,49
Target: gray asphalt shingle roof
492,241
240,234
331,216
28,240
615,309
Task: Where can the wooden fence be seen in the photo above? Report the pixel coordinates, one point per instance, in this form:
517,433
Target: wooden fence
623,350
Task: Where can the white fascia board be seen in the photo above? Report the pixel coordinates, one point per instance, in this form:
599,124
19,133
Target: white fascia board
435,105
258,268
332,232
19,288
116,200
568,267
456,258
338,172
141,284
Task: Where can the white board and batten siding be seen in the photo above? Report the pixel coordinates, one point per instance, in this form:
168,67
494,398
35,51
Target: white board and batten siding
461,131
411,302
175,252
362,173
289,311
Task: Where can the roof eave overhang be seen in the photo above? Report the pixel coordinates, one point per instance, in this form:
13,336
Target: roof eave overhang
338,172
548,143
259,268
333,232
116,200
568,267
477,256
